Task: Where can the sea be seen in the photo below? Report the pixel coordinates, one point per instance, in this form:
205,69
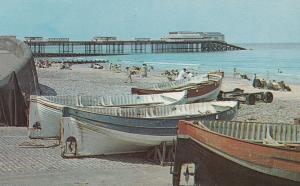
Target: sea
271,61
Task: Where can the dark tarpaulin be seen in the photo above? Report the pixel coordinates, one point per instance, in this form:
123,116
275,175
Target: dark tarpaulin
12,103
18,80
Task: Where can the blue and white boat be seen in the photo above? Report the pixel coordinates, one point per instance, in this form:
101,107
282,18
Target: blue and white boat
94,131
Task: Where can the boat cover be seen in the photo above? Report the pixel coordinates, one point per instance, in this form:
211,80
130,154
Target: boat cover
118,100
193,109
183,82
18,80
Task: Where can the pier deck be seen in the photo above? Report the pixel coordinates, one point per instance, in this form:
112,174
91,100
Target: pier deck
121,47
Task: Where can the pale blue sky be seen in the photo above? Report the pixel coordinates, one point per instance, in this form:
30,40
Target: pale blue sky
240,20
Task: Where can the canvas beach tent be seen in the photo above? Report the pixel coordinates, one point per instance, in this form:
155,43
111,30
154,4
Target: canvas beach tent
18,80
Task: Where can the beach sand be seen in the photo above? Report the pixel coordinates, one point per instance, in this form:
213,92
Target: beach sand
36,166
82,80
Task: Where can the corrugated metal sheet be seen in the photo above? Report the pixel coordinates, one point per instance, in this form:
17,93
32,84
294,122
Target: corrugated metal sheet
257,132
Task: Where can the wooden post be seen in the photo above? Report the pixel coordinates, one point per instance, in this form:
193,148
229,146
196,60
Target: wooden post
297,121
162,154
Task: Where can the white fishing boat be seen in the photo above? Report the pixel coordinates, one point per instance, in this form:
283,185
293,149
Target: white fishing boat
91,131
46,111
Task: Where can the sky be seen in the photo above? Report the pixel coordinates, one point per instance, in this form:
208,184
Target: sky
242,21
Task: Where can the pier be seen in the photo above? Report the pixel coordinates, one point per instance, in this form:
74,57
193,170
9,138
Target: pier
63,47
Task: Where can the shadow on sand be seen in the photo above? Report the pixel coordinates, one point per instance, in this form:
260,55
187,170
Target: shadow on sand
133,158
47,91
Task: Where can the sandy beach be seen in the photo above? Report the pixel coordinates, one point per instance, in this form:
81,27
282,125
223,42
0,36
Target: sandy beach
82,80
33,166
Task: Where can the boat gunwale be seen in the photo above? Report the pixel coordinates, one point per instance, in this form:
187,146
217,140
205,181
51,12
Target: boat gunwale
154,118
237,139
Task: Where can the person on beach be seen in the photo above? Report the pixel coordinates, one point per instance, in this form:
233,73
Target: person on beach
254,83
182,74
189,75
144,70
130,73
234,72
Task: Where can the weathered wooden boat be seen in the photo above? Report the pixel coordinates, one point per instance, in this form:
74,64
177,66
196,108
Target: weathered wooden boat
237,153
199,88
91,131
219,72
46,111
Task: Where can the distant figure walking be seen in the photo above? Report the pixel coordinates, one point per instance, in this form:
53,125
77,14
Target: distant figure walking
144,70
235,73
182,74
129,77
254,84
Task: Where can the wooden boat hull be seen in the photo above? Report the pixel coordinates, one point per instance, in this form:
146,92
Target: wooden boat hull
44,119
196,93
97,134
201,94
96,139
199,88
223,160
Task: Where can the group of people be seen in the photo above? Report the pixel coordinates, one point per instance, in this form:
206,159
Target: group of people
238,74
65,66
271,85
143,71
43,63
97,66
115,67
173,75
183,74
